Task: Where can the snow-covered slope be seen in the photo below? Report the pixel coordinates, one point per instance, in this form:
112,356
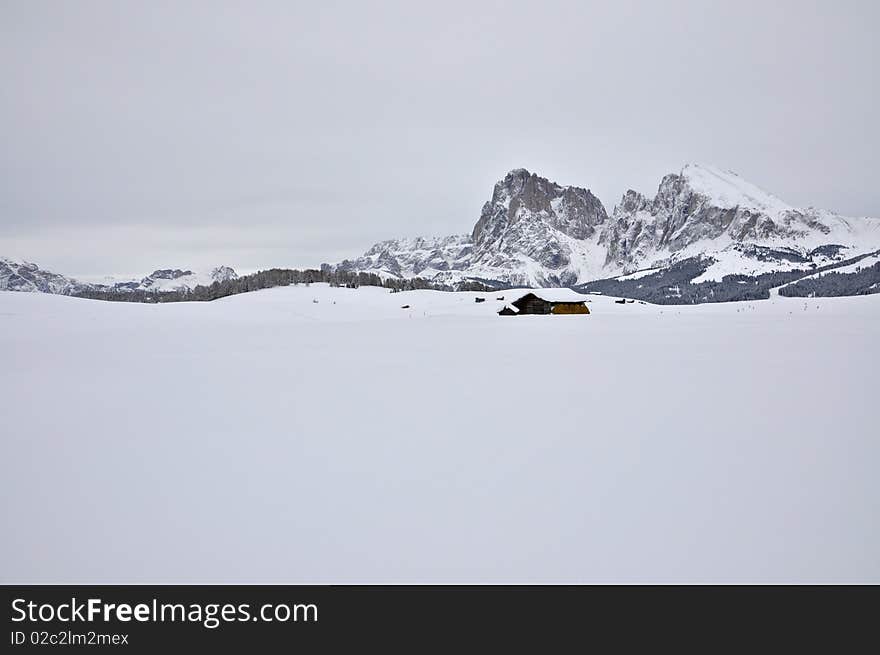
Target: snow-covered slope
538,233
352,440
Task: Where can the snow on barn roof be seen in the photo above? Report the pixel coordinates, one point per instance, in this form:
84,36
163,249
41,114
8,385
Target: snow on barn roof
553,295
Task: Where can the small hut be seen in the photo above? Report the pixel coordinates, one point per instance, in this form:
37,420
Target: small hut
552,301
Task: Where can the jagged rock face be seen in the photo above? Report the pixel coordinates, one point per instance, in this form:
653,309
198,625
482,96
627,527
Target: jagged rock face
700,204
527,233
524,197
532,219
690,213
24,276
631,232
414,257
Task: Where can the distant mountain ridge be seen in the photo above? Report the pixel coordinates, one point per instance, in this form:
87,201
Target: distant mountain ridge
25,276
534,232
28,277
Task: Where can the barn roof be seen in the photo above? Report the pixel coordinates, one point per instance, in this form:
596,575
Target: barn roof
553,295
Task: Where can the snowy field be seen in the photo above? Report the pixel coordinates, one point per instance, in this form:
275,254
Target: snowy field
270,438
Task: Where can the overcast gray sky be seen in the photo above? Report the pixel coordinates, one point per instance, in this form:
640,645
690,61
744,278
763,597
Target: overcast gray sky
139,135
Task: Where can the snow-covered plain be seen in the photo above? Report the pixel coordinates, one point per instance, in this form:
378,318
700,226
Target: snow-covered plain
270,438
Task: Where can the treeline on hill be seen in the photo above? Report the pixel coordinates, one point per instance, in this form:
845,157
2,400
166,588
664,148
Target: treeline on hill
859,283
274,277
674,285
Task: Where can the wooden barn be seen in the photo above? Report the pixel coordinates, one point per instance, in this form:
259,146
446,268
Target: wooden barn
556,301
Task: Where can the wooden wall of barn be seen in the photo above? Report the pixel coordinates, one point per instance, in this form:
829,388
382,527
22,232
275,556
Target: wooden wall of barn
570,308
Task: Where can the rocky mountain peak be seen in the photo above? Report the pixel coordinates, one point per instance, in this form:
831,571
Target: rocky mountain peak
168,274
223,273
632,201
526,197
703,203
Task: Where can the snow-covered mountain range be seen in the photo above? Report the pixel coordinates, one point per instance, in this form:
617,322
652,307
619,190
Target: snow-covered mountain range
24,276
703,226
534,232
